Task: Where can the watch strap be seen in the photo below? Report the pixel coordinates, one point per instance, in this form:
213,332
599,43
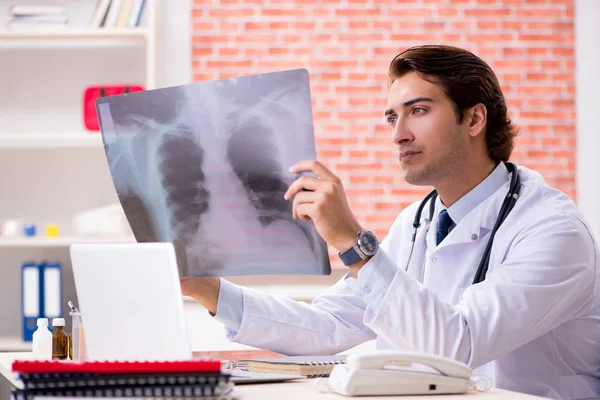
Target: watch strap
350,256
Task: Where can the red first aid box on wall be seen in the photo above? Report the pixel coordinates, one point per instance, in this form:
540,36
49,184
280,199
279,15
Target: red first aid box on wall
92,93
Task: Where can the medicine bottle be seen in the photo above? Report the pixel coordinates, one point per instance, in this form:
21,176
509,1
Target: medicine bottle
42,340
60,340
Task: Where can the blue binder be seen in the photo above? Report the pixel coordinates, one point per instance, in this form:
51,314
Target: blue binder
31,299
51,285
41,294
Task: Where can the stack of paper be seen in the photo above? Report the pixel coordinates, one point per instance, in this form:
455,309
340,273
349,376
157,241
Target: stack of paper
37,17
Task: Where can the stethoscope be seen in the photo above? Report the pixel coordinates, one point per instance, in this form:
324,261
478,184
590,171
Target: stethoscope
507,206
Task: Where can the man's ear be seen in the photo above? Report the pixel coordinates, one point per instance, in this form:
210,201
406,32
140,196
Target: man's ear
476,117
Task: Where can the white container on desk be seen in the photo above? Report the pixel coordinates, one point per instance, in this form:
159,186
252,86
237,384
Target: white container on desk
42,340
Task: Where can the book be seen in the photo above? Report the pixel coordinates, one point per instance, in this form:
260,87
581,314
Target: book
309,366
31,298
123,18
41,294
115,367
113,14
190,378
100,13
42,19
38,23
79,380
35,9
135,15
150,392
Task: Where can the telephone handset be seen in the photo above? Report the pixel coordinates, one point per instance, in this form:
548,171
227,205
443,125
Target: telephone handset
395,373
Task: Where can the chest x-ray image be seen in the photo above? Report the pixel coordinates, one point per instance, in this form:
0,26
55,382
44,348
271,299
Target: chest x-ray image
205,167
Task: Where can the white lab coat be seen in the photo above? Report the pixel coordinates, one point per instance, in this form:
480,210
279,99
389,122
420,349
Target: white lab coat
532,326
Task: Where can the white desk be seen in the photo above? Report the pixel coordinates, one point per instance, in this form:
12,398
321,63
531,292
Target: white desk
305,389
292,390
13,344
6,360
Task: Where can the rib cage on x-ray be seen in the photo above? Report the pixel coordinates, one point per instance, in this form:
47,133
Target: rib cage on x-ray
254,159
205,167
186,195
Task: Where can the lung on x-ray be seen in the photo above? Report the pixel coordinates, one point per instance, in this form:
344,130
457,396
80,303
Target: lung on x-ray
205,167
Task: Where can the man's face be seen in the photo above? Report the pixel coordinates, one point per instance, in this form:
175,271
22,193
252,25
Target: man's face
431,143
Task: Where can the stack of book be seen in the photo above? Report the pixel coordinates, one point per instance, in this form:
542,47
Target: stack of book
309,366
117,14
37,17
164,379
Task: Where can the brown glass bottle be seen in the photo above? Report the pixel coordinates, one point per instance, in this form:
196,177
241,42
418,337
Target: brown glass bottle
70,346
60,340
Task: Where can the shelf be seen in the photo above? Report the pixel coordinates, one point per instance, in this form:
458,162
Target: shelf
71,37
67,33
64,241
41,140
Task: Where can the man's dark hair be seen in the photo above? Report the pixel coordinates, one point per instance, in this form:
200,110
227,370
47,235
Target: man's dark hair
467,80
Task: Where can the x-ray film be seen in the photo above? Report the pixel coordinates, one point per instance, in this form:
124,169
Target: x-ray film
205,167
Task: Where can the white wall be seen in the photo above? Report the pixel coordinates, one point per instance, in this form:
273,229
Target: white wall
587,59
176,25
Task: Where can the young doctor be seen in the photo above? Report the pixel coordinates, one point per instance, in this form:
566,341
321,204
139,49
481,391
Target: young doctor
523,310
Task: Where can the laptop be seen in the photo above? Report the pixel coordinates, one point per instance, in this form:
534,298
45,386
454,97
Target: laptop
131,302
132,306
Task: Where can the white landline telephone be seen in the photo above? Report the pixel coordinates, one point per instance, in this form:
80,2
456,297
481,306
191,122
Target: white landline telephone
394,373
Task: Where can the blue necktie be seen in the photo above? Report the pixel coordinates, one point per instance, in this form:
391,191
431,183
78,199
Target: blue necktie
444,222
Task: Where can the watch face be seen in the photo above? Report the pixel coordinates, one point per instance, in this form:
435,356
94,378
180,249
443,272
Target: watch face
368,243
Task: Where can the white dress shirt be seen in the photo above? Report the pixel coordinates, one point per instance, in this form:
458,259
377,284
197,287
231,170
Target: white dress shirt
533,325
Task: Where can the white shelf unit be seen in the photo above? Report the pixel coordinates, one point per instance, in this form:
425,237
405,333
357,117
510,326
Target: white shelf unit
53,140
10,344
51,167
70,40
8,37
59,241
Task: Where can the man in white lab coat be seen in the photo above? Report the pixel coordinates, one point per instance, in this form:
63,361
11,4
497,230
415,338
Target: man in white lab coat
532,323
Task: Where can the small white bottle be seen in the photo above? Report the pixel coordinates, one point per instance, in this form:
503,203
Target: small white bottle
42,340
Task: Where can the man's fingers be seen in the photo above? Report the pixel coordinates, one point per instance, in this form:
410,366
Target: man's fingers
306,197
315,167
305,211
304,182
303,198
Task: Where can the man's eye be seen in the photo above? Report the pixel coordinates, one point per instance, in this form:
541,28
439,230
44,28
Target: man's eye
418,110
391,120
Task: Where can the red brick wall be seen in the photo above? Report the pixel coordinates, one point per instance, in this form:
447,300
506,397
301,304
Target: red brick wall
347,46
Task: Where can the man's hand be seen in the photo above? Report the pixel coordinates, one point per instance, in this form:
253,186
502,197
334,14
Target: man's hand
204,290
323,201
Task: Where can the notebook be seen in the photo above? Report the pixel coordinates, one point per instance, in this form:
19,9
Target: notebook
80,380
153,393
115,367
309,366
195,378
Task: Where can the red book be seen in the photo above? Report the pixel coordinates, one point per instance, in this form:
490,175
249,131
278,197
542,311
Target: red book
116,367
91,94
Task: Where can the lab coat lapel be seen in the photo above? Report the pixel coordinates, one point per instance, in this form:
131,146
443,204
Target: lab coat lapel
478,223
